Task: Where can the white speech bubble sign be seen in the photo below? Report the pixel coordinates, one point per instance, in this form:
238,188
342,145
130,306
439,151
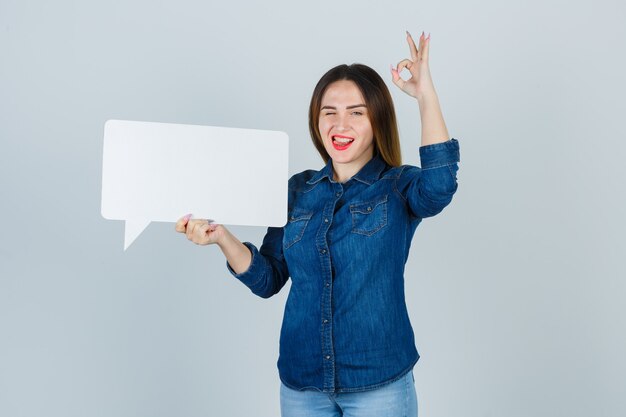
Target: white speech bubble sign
158,172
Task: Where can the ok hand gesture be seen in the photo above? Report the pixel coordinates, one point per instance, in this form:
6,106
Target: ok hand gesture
420,82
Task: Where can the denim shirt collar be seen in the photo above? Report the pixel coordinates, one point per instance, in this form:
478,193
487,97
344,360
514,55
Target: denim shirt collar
369,174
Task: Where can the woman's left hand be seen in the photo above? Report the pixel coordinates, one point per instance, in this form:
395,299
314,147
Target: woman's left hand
420,82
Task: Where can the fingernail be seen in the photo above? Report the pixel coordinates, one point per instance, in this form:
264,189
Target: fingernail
422,33
187,217
408,34
428,36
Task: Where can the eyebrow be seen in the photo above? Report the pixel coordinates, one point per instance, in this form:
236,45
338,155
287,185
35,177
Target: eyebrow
347,107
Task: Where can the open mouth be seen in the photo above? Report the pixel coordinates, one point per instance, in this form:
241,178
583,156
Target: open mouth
342,143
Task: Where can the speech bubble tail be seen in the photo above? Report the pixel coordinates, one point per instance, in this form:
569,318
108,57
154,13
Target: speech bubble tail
132,230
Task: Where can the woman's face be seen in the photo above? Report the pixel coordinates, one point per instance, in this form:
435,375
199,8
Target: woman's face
344,125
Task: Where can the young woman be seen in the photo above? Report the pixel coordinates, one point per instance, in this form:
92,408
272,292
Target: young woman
347,346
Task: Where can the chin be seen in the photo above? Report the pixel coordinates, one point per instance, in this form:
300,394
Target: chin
341,156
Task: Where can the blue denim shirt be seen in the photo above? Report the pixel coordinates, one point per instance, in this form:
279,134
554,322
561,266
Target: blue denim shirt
345,326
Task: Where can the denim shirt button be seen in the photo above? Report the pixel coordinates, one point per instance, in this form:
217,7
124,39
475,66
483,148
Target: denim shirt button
327,357
328,284
323,251
369,209
325,321
337,194
326,220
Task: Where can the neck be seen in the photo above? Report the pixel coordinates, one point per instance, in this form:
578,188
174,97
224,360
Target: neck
342,172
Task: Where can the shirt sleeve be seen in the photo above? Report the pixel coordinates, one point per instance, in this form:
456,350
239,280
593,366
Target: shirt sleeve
267,272
429,189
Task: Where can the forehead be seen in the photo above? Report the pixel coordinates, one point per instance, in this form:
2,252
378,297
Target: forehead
343,91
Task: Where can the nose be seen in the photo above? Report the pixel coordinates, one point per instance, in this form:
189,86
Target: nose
342,123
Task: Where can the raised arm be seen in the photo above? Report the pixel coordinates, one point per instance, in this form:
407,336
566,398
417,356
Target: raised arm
430,188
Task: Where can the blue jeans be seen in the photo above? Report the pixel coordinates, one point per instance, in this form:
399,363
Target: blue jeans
397,399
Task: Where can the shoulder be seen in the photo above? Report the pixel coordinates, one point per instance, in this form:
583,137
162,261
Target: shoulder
298,181
404,176
409,170
401,172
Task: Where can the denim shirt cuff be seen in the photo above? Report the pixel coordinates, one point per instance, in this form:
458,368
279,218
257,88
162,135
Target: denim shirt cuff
251,275
440,154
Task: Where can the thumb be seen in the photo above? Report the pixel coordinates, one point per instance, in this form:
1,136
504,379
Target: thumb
181,224
213,226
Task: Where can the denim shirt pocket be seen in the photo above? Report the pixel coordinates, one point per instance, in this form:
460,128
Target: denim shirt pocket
370,216
294,229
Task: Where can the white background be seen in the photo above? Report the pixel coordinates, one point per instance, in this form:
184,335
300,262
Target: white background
516,291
